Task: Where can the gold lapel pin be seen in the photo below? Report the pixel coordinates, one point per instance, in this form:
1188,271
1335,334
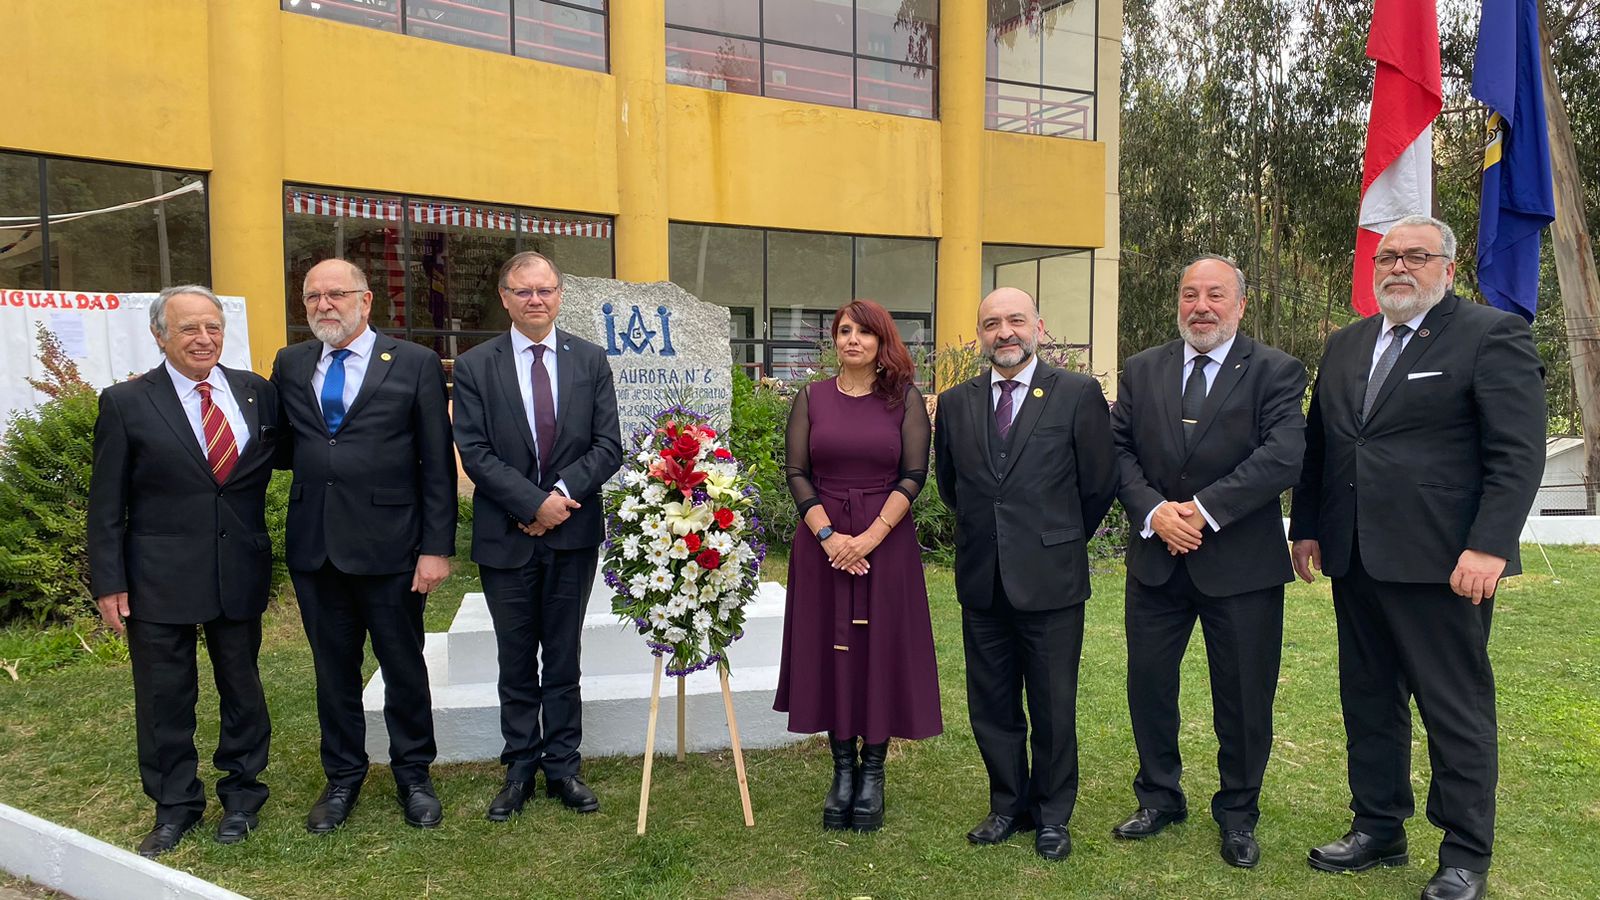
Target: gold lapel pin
1038,392
385,357
1424,333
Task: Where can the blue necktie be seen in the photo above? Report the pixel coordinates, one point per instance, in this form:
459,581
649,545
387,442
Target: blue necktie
333,391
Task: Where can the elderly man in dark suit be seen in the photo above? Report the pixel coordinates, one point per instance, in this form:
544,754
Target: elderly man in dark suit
178,542
536,423
372,524
1023,456
1209,435
1424,449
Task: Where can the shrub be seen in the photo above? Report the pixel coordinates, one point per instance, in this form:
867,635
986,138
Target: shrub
45,460
760,417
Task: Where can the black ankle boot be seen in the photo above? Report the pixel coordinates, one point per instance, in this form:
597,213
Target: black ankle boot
866,813
836,809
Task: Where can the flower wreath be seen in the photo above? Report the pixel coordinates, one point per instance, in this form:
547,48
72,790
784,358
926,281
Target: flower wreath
683,549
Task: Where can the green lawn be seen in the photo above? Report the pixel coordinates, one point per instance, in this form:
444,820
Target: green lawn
66,753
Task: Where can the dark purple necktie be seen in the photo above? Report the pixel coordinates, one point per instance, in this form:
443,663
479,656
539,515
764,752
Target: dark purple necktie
1002,410
544,409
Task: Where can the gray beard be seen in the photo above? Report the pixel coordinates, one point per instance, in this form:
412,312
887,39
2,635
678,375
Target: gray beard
1205,343
1398,310
333,335
1025,351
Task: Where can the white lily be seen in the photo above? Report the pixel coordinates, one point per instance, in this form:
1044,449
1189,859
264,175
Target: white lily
682,517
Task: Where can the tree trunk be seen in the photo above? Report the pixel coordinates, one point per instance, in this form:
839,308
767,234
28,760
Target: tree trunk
1575,270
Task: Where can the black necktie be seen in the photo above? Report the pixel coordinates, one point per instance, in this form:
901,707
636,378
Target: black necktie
1194,395
544,410
1380,372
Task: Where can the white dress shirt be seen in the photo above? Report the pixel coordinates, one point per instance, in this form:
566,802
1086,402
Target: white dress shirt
1386,337
221,395
523,347
355,366
1217,355
1018,393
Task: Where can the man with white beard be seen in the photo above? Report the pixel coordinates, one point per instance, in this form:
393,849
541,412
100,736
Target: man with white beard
1424,449
372,524
1209,435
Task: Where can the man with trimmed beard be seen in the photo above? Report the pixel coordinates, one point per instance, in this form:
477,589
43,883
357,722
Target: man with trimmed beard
1424,449
1209,435
372,524
1023,458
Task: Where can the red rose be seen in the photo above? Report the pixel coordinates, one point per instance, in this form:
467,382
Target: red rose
686,446
722,453
708,558
692,541
724,518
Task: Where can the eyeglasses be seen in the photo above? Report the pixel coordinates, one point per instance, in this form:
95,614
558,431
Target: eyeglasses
545,294
314,297
1415,259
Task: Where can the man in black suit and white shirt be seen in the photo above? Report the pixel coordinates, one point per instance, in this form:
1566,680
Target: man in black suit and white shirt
177,539
1023,456
372,526
536,424
1424,449
1209,435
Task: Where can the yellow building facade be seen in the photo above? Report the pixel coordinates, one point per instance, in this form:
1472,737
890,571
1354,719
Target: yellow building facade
271,103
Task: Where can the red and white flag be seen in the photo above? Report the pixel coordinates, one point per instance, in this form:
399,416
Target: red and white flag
1397,173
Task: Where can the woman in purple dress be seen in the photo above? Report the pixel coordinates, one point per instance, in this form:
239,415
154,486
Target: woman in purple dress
858,656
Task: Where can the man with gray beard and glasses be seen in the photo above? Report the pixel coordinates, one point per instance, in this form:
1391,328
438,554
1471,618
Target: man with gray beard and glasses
1209,435
372,524
1424,449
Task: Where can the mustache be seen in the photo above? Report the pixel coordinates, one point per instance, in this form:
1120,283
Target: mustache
1399,279
1198,318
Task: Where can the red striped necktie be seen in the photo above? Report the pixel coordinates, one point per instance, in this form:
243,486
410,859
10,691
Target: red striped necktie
221,451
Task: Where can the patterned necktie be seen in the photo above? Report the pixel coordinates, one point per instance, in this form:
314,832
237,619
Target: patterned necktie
1194,395
1380,372
1002,410
221,450
333,391
544,409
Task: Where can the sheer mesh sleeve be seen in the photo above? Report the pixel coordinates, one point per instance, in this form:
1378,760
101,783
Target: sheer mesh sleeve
797,455
915,434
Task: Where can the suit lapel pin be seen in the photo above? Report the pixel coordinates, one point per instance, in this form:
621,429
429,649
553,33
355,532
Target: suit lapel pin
566,346
1237,365
1038,392
249,399
385,357
1424,333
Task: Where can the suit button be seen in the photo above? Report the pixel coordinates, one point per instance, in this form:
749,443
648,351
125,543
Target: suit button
223,533
1002,454
1184,476
997,501
332,441
993,535
330,482
1361,442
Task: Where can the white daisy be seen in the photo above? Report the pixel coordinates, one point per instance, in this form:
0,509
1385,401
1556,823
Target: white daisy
691,570
656,554
635,477
639,584
660,580
654,526
657,617
629,510
702,621
630,547
675,635
678,550
653,494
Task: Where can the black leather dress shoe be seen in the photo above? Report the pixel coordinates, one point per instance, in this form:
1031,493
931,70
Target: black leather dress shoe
1147,822
997,829
165,837
235,826
1357,851
1453,883
1052,842
1239,849
573,792
508,802
332,808
421,805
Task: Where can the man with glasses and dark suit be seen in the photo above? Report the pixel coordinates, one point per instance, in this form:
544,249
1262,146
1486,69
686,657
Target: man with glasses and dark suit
1424,449
177,540
372,526
536,423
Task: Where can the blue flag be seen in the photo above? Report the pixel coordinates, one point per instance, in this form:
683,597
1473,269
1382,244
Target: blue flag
1518,198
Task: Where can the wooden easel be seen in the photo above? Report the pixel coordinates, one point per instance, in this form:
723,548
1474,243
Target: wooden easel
650,742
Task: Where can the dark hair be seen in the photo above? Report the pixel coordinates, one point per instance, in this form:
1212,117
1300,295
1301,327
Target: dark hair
894,363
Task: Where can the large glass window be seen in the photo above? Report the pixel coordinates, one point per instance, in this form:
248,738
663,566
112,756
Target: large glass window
431,264
68,224
1060,280
782,287
878,55
1041,67
568,32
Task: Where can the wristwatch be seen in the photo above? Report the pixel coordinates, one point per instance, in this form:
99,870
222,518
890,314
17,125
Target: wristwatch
824,533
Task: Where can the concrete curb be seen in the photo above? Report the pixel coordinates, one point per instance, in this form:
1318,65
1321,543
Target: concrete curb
89,869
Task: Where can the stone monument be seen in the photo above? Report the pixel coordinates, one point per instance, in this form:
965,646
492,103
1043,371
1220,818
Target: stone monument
665,346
